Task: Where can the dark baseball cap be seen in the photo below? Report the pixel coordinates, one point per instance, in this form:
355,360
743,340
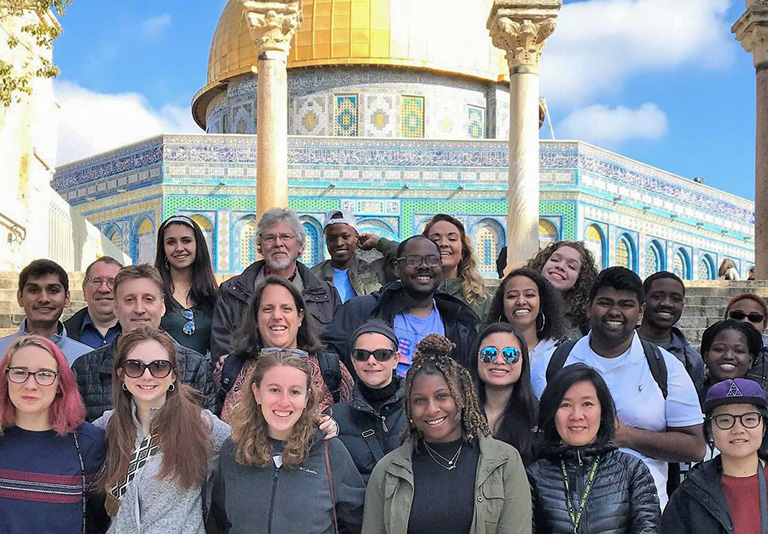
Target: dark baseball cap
735,391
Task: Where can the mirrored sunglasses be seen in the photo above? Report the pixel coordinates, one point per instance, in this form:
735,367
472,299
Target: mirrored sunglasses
189,326
157,368
752,317
510,354
276,350
381,355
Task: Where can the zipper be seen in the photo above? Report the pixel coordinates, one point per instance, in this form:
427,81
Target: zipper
578,455
272,501
384,424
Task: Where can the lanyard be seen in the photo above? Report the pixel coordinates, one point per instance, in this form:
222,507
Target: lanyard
576,518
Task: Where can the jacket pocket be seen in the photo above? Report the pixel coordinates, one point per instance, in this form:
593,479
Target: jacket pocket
490,503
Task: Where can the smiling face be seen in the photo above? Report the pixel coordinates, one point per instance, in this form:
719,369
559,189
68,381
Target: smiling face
147,389
282,395
138,302
179,245
341,240
499,373
738,442
748,306
613,315
563,267
577,420
43,299
280,246
278,319
448,239
521,302
30,398
728,357
433,409
371,372
664,303
419,281
101,298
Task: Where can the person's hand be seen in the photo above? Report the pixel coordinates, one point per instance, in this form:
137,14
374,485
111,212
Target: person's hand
328,424
367,240
220,365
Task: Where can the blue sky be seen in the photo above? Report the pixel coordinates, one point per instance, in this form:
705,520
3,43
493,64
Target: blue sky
660,81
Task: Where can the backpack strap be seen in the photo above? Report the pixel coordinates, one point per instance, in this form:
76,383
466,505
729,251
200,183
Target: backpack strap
330,368
657,366
557,361
329,473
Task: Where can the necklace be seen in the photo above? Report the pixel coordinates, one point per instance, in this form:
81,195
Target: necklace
435,455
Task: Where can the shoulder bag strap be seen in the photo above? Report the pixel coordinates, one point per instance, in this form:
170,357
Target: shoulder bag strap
370,439
141,455
330,486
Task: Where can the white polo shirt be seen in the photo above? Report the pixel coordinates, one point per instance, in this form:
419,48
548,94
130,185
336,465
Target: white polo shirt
639,401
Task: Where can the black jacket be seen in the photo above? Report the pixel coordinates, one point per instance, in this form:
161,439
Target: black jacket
368,434
93,372
320,297
459,320
623,499
699,506
269,500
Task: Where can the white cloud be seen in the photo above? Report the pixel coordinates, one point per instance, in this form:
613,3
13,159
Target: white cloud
154,25
609,127
91,122
600,44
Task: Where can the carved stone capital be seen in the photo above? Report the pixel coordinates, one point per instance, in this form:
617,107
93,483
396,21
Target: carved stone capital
752,31
520,28
272,24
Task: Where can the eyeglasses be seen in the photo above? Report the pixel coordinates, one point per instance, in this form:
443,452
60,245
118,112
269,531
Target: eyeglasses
157,368
276,350
96,282
189,326
271,239
417,261
381,355
725,421
753,317
19,375
510,354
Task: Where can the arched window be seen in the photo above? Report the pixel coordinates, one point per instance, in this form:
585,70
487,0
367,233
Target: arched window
593,239
547,233
245,243
652,259
144,242
681,265
206,226
487,249
706,270
114,234
624,256
313,244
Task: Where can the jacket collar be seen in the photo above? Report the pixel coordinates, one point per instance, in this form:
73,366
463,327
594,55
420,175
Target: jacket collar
704,483
361,404
584,453
391,301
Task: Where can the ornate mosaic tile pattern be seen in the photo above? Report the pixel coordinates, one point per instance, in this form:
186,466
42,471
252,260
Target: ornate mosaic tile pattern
380,115
412,116
311,115
475,122
345,116
652,260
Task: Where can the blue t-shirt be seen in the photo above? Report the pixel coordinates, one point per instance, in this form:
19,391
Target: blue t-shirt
343,285
90,335
410,330
42,483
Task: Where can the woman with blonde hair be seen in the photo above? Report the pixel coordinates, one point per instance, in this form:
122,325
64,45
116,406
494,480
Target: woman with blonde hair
162,445
276,471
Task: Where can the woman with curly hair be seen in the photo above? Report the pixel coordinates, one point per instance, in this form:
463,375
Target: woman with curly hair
446,444
570,268
276,473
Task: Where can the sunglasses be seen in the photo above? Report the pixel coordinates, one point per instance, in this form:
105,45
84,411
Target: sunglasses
510,354
157,368
276,350
753,317
189,326
381,355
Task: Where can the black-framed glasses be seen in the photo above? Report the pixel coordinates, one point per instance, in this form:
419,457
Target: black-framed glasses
725,421
752,317
189,326
157,368
96,282
510,354
19,375
276,350
381,355
432,260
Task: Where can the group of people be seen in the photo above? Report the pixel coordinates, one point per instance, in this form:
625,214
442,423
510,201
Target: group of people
392,395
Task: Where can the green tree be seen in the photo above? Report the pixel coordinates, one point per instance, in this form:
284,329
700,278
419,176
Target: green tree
16,79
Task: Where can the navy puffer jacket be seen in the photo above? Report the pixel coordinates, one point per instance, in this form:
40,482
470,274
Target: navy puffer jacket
623,499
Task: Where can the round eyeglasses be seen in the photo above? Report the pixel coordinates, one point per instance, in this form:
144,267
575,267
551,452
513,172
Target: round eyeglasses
725,421
157,368
19,375
510,354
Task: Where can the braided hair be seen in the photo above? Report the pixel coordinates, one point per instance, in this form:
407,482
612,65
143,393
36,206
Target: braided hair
432,357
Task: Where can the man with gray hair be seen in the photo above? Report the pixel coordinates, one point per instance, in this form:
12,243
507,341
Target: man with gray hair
280,239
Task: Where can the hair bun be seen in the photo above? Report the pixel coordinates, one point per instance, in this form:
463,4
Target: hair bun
433,345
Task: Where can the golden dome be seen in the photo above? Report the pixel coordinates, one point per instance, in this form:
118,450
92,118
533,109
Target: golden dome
447,36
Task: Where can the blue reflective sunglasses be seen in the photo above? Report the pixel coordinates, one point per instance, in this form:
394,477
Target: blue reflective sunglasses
189,326
510,354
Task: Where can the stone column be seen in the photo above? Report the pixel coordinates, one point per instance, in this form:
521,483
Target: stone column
272,25
520,28
752,31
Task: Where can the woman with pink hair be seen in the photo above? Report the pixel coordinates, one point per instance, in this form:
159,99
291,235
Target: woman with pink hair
48,453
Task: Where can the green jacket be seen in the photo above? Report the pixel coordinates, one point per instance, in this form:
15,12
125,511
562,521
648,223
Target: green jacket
503,498
482,303
365,277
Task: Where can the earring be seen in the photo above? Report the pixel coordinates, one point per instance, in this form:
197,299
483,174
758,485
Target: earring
124,388
167,265
171,387
543,322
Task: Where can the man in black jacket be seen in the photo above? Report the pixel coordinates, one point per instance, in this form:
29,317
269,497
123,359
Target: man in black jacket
413,307
280,240
138,302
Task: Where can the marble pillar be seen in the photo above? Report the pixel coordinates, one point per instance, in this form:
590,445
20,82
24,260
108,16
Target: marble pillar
520,28
272,25
752,31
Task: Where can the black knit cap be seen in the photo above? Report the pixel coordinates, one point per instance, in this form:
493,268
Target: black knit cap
376,326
